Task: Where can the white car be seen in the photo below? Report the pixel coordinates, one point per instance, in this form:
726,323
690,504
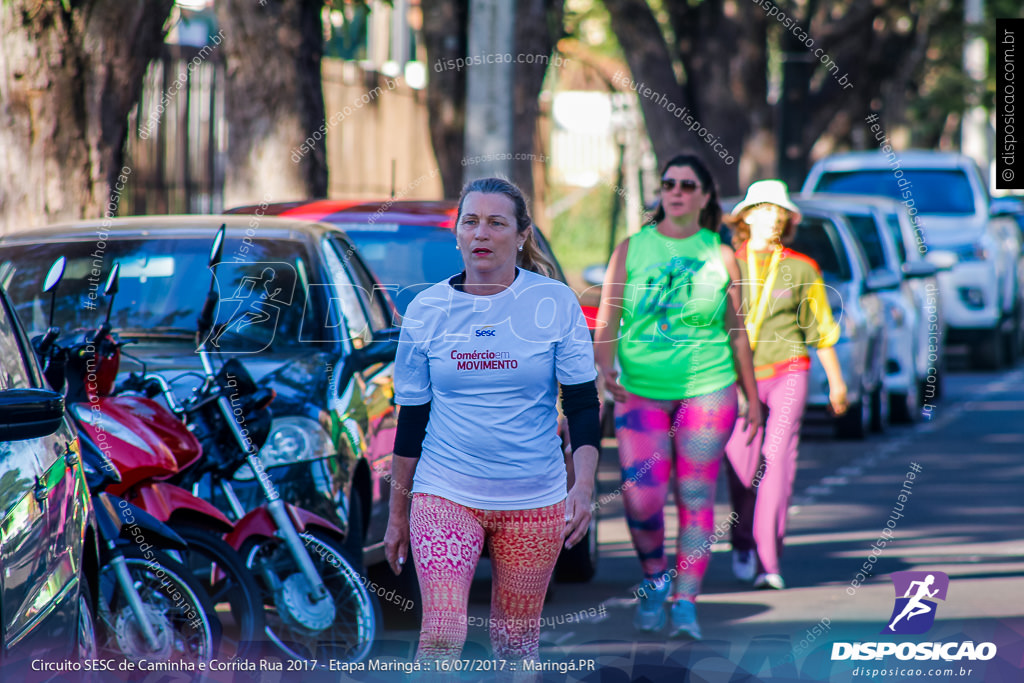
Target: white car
948,197
913,312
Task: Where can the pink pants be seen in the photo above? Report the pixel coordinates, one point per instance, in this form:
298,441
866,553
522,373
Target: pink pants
447,540
760,489
656,438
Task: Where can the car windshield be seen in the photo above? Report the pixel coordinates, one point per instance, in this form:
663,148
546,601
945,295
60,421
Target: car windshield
814,238
409,258
406,258
162,286
933,191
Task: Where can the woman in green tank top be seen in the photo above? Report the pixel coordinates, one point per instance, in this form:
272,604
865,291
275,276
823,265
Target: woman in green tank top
669,317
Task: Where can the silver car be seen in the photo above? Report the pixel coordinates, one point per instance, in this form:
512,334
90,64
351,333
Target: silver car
912,308
949,198
853,292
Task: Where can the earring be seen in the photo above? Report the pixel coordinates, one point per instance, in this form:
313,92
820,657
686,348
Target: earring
456,245
520,247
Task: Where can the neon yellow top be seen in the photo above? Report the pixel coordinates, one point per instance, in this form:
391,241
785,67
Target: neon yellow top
673,342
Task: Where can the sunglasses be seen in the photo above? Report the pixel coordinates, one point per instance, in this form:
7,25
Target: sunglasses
687,186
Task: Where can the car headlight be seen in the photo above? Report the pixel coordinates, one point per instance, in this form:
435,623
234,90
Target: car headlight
296,439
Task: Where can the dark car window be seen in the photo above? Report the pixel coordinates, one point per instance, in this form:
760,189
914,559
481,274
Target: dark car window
370,294
867,231
346,291
407,258
163,284
817,238
13,364
933,191
892,220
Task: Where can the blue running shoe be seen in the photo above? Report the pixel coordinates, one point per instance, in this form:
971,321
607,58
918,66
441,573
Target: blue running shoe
684,620
650,609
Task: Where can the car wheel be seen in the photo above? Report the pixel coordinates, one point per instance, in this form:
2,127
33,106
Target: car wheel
855,422
87,647
906,408
988,355
354,539
880,409
578,564
1011,343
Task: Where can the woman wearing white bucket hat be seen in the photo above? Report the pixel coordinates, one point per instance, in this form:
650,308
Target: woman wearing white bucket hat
786,311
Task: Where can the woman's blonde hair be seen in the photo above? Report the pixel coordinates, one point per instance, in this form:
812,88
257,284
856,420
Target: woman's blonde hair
531,257
785,226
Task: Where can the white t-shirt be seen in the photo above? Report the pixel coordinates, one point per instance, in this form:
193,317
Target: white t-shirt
491,366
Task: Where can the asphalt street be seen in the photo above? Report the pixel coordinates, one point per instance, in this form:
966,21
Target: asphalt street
961,513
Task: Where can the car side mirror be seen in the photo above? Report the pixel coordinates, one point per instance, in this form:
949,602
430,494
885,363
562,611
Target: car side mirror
381,349
29,413
917,269
881,281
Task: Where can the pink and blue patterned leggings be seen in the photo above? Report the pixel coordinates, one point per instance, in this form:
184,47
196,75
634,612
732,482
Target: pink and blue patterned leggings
447,539
655,437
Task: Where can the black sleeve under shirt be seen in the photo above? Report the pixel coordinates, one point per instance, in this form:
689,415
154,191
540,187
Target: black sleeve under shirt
411,430
583,411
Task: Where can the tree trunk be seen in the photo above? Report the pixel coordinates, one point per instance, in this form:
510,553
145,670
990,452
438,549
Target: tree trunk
274,100
68,80
650,64
538,29
444,33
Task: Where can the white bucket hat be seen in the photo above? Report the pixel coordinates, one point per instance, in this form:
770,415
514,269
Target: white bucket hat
766,192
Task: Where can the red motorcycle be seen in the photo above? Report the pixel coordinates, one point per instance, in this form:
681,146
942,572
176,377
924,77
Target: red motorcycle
317,606
149,445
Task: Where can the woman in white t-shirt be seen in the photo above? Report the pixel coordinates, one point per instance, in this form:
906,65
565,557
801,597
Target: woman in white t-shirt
479,364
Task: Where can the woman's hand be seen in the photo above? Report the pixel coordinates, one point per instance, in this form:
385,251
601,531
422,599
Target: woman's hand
752,419
577,513
837,397
610,379
396,542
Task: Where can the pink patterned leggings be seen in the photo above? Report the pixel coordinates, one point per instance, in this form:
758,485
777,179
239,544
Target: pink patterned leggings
655,438
447,540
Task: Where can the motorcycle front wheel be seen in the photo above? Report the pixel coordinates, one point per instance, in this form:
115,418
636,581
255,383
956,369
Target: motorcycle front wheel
175,604
340,627
220,571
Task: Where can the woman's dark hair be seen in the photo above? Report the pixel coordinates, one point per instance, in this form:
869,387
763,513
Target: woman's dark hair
711,215
531,257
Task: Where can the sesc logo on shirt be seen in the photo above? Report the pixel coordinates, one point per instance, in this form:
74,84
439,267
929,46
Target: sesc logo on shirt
486,332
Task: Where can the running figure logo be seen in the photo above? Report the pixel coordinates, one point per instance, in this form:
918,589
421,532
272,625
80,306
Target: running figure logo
255,305
913,612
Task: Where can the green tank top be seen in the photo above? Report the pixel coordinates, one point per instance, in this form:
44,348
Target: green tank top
673,343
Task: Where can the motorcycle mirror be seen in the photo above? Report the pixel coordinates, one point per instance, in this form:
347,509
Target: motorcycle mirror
110,289
112,280
53,277
218,245
205,321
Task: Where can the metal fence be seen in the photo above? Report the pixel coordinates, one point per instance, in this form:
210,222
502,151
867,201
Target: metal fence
177,136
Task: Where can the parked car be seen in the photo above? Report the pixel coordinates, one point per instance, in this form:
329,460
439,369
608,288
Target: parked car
409,246
48,549
981,293
907,320
304,314
853,292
